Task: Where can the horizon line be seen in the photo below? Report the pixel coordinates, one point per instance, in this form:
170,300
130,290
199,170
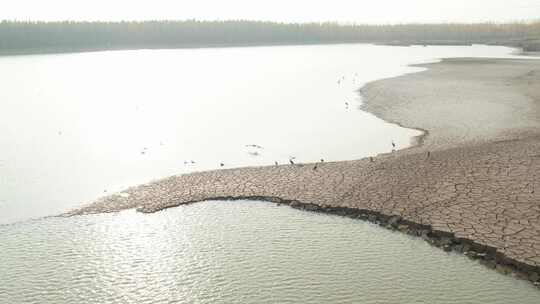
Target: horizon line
338,23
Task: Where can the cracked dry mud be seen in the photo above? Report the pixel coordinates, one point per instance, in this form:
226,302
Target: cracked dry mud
481,181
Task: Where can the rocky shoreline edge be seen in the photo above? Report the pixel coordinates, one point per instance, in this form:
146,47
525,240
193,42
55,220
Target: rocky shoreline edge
448,242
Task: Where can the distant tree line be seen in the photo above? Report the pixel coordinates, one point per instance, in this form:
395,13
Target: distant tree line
18,36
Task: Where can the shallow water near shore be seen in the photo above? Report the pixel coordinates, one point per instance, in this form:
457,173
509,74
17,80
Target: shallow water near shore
74,127
236,252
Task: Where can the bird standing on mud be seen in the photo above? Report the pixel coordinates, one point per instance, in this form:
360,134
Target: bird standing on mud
291,161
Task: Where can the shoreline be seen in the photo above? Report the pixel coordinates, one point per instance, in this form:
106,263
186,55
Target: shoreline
66,50
59,51
477,188
385,99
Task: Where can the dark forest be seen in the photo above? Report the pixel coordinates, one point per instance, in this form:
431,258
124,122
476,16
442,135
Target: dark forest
22,37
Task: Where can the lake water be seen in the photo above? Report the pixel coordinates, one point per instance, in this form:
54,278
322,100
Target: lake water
74,127
237,252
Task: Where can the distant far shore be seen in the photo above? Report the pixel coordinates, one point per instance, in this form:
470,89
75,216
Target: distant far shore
178,47
51,51
156,47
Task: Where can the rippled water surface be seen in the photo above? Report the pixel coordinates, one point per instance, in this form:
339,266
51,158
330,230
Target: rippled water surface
236,252
74,127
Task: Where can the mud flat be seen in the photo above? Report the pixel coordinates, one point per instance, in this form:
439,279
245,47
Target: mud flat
471,184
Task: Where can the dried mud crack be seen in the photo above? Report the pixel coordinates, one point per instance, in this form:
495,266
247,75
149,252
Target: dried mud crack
477,192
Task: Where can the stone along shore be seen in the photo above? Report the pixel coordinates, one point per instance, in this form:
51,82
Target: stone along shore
471,184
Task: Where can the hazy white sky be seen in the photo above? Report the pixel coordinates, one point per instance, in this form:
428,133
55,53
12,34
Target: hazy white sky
359,11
